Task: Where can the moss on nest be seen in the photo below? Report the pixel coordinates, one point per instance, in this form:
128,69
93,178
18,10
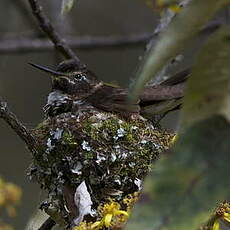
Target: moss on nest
110,154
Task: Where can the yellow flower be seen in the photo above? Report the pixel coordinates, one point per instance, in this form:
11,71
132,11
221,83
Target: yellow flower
226,216
10,194
216,225
109,212
222,212
13,193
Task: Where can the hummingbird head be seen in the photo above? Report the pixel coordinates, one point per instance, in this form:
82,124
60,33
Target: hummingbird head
69,80
70,87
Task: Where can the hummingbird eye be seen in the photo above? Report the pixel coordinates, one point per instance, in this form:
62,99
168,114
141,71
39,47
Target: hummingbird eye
80,77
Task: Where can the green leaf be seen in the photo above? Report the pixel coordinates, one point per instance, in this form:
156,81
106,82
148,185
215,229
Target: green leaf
67,5
174,39
185,187
208,88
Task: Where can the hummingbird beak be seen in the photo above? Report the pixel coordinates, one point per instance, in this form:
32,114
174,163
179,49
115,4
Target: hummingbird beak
47,70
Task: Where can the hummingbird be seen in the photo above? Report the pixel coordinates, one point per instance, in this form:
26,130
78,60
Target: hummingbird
92,141
81,88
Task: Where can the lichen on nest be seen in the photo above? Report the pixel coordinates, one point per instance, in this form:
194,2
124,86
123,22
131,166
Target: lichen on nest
110,154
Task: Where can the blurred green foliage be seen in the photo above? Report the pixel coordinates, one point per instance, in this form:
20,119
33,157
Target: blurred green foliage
187,184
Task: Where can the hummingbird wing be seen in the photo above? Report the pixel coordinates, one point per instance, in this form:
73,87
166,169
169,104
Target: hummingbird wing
165,97
113,99
178,78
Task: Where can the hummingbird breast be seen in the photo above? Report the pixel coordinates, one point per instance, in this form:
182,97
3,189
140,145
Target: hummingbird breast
57,103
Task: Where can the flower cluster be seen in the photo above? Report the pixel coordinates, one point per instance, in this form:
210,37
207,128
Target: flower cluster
110,214
10,195
223,213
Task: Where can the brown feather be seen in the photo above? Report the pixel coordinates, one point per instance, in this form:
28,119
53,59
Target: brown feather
113,99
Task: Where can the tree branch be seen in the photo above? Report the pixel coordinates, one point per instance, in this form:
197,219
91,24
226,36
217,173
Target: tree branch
28,44
47,27
18,127
48,224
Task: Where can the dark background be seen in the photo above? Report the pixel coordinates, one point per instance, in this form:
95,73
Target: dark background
26,89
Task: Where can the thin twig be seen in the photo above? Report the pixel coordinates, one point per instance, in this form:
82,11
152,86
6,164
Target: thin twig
48,224
28,44
18,127
47,27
